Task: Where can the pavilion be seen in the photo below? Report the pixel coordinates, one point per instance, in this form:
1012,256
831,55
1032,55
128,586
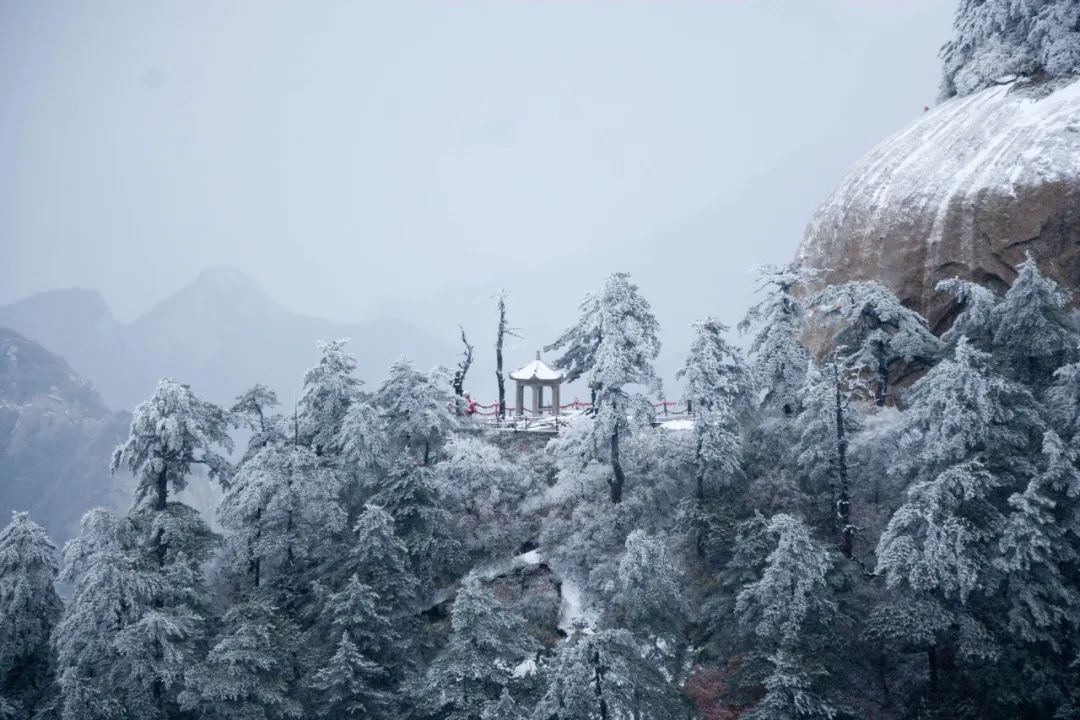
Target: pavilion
537,375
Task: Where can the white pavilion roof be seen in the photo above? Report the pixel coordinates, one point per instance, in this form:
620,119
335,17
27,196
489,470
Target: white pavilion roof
537,370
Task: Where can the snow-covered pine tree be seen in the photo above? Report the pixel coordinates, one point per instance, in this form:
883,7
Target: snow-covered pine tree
977,314
505,708
1033,333
29,609
487,640
873,331
280,511
825,428
421,522
171,432
936,552
111,589
253,411
1063,401
649,593
613,344
249,671
605,676
416,409
997,40
789,609
1037,558
718,388
348,686
961,411
360,613
329,389
779,358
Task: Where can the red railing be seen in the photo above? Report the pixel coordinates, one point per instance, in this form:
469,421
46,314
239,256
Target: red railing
662,407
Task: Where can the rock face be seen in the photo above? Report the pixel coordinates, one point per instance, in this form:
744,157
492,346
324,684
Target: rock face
56,439
965,191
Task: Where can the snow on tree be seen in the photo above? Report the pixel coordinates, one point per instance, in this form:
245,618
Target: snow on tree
718,388
348,686
1063,400
649,591
789,693
873,330
416,408
779,358
247,673
791,598
503,709
604,676
936,551
613,344
280,509
329,389
962,411
482,489
487,640
29,609
826,426
789,608
977,316
360,613
1033,333
171,432
110,590
421,521
997,40
253,411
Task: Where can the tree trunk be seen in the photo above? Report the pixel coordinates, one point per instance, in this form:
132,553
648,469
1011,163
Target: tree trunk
843,491
458,382
500,338
619,480
882,383
598,673
931,662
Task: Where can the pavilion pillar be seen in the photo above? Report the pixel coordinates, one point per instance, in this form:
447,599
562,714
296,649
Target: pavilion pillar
555,399
519,402
538,399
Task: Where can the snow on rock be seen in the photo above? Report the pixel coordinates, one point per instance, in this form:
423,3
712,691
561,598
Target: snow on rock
574,612
963,191
683,424
526,668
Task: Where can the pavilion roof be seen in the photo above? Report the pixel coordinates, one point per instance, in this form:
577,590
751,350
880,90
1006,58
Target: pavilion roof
537,371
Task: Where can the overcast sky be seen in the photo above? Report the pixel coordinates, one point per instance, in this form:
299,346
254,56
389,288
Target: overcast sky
365,159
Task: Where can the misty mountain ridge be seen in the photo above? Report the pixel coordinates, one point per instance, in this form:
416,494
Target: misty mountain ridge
220,333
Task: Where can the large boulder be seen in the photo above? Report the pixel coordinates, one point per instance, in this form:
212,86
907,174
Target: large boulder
965,191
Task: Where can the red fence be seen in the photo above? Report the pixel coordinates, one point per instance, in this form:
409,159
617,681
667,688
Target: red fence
662,407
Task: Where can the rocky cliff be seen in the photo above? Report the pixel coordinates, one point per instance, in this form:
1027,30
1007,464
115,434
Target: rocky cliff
965,191
56,438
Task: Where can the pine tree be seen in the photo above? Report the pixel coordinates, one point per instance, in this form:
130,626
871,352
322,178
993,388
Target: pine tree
779,358
977,317
330,388
171,432
247,673
503,709
874,331
111,589
347,686
252,411
718,388
649,591
416,409
1033,333
486,641
605,677
999,39
789,609
1063,400
613,344
29,609
825,428
280,510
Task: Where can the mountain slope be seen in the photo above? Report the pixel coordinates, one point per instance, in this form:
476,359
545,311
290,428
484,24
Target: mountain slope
220,334
56,438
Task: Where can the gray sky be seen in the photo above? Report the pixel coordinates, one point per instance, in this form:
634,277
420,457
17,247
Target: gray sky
405,158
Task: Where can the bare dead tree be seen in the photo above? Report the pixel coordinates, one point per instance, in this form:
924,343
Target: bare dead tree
458,381
503,331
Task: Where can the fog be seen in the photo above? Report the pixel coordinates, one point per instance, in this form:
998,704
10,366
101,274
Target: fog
404,159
